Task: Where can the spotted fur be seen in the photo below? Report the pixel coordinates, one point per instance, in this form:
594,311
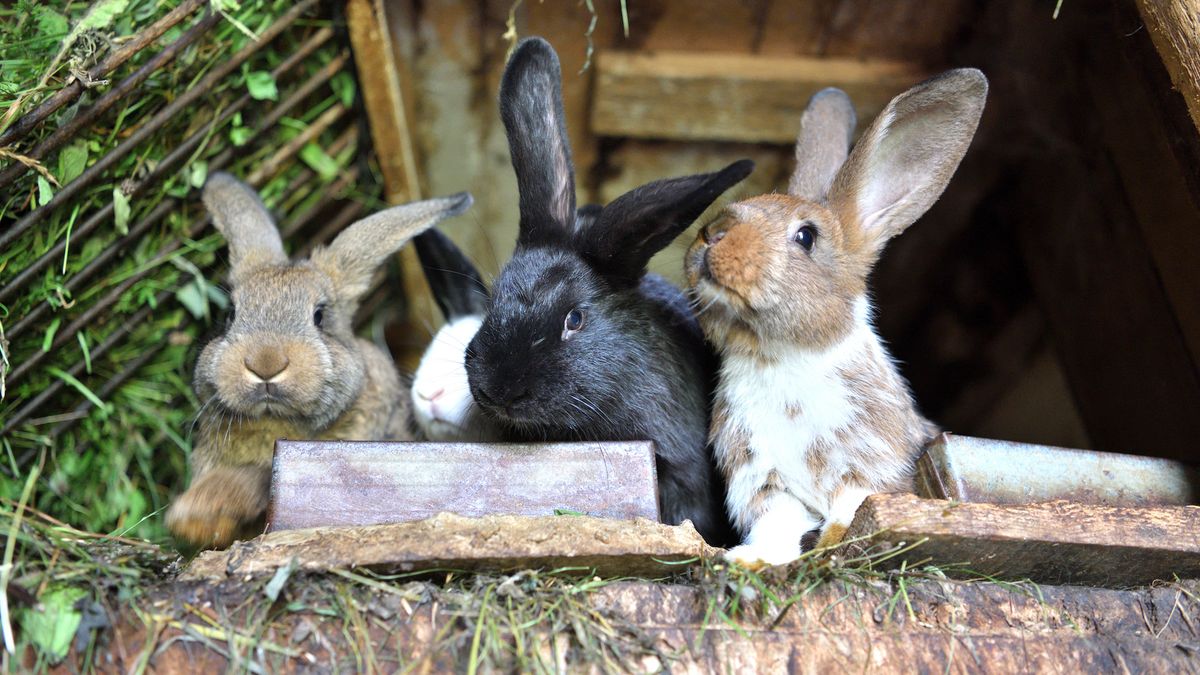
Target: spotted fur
813,413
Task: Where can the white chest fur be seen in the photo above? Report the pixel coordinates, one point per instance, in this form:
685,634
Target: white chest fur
797,405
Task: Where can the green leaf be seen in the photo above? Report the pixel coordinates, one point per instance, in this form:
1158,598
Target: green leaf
53,624
87,352
51,23
198,173
319,161
45,192
275,586
101,15
78,386
240,136
48,338
193,297
72,161
343,87
568,512
261,85
120,211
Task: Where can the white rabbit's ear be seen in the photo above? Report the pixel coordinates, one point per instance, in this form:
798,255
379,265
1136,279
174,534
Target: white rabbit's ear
239,215
906,157
826,130
353,257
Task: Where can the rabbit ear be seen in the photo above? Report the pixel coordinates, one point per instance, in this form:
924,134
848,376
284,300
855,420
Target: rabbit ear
353,257
239,215
906,157
826,130
532,110
641,222
457,286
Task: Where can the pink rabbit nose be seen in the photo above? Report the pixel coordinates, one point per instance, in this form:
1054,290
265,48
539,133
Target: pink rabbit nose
432,396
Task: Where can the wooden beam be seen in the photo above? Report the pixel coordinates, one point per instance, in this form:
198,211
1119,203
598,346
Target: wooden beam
1049,542
731,97
1174,26
388,115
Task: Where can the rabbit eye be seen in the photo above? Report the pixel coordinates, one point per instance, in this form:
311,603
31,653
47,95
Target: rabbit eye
230,316
806,236
319,316
573,323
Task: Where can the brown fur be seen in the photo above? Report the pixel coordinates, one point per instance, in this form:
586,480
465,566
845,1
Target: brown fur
278,371
764,299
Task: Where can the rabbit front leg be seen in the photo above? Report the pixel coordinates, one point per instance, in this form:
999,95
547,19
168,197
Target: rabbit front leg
774,536
220,505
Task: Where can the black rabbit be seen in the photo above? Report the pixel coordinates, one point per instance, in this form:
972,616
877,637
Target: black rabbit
578,342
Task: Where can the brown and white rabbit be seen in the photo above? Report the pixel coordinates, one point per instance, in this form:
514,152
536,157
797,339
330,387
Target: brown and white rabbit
288,364
811,415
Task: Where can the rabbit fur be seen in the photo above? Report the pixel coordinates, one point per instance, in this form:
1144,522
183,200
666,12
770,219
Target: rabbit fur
811,414
579,343
288,364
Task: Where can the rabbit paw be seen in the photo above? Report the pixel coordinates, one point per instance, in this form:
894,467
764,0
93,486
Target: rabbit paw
218,507
757,556
831,536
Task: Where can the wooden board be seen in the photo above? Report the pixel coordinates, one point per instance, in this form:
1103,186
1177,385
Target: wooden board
331,483
446,541
1174,25
731,97
1049,542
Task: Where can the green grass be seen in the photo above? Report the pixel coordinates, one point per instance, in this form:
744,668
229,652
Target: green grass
118,465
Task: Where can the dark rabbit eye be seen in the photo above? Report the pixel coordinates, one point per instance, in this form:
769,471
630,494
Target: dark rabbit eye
230,316
319,316
806,236
573,323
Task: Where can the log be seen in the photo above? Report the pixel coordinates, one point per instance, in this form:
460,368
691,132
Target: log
1048,542
1174,26
495,543
731,97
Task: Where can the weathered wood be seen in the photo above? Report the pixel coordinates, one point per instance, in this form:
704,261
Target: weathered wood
389,118
1049,542
966,469
934,626
1174,25
331,483
731,97
447,541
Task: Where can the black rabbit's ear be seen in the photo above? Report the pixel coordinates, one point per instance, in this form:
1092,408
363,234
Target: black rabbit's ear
457,286
532,110
643,221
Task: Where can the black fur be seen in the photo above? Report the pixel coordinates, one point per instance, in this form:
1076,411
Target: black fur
457,286
639,367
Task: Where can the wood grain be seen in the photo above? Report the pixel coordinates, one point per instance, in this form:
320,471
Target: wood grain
731,97
1049,542
1174,25
327,483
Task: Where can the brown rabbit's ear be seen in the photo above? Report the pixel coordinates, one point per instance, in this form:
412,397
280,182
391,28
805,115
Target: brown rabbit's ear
239,215
826,130
353,257
906,157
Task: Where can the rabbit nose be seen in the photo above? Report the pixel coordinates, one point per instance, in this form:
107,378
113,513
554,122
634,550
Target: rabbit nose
712,235
266,364
428,396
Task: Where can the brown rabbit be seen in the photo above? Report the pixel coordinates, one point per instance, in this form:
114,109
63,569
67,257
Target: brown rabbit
811,415
288,364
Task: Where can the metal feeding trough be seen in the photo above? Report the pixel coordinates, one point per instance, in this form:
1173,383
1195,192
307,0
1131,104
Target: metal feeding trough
341,483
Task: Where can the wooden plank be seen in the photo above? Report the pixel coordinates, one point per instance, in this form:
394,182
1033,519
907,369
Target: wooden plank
1049,542
1174,26
731,97
446,541
332,483
388,115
